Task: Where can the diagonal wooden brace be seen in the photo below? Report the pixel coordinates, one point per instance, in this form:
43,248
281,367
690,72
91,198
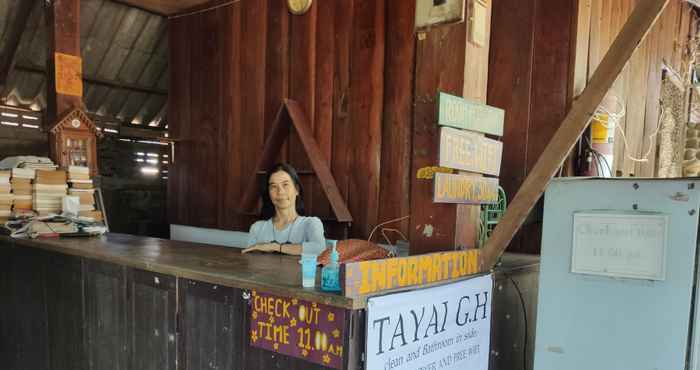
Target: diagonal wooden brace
635,29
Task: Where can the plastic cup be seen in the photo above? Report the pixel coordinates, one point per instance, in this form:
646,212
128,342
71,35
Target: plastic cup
308,270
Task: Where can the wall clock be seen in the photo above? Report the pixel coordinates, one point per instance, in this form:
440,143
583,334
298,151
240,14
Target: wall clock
299,7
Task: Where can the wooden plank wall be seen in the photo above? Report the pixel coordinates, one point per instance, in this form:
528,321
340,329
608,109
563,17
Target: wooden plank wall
543,52
529,73
639,85
349,63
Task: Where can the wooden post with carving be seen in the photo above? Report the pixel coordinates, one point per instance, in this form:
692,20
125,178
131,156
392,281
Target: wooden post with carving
76,143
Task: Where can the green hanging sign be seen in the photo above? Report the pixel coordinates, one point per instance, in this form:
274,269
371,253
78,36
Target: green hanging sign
466,114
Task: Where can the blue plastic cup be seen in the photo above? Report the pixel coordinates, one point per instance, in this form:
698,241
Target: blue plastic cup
308,270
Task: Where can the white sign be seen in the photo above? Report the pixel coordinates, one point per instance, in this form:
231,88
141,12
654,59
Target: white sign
625,245
440,328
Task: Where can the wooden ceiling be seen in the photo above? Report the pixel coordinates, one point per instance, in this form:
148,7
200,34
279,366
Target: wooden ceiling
169,7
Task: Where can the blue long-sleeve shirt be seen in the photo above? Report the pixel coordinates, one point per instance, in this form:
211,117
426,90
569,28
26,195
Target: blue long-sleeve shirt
307,231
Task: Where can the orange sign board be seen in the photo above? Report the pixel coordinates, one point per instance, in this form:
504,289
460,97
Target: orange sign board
69,74
465,189
369,277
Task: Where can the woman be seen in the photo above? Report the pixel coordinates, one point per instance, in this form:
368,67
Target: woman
283,227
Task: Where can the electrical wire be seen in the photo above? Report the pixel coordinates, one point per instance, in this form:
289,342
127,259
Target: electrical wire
384,223
616,116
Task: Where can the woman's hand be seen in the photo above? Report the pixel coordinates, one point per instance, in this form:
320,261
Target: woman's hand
266,247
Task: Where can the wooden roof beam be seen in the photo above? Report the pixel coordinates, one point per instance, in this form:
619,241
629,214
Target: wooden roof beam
14,38
103,82
635,29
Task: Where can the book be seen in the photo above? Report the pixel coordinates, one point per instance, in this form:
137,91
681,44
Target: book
50,177
42,165
80,181
50,187
97,215
47,200
23,204
22,212
5,188
23,173
22,192
87,207
79,169
79,185
85,198
46,196
15,181
79,177
74,191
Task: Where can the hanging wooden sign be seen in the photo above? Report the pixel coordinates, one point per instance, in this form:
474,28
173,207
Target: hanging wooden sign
467,114
468,151
465,189
69,74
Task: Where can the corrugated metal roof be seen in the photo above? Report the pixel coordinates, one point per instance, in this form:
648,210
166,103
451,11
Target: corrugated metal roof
125,60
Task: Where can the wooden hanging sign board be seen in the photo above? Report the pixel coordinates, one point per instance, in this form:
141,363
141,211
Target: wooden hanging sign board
457,112
69,74
465,189
469,151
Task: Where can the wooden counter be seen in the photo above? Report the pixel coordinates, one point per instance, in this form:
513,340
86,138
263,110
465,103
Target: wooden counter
273,273
123,302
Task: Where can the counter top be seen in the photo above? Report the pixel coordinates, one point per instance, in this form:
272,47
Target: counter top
273,273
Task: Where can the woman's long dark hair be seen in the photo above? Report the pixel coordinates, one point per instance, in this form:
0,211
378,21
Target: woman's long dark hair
268,209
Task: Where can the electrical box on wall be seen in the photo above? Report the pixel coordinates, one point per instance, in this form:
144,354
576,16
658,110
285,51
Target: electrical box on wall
434,12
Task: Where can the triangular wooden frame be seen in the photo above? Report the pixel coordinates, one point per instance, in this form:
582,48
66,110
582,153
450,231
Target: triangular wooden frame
292,114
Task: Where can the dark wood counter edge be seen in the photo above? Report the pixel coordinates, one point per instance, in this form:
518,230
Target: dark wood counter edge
351,303
180,272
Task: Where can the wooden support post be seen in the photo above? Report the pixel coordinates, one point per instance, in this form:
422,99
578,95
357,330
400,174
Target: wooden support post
63,25
627,41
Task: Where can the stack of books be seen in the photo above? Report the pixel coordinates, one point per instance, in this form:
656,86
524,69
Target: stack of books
81,186
6,197
21,183
49,189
